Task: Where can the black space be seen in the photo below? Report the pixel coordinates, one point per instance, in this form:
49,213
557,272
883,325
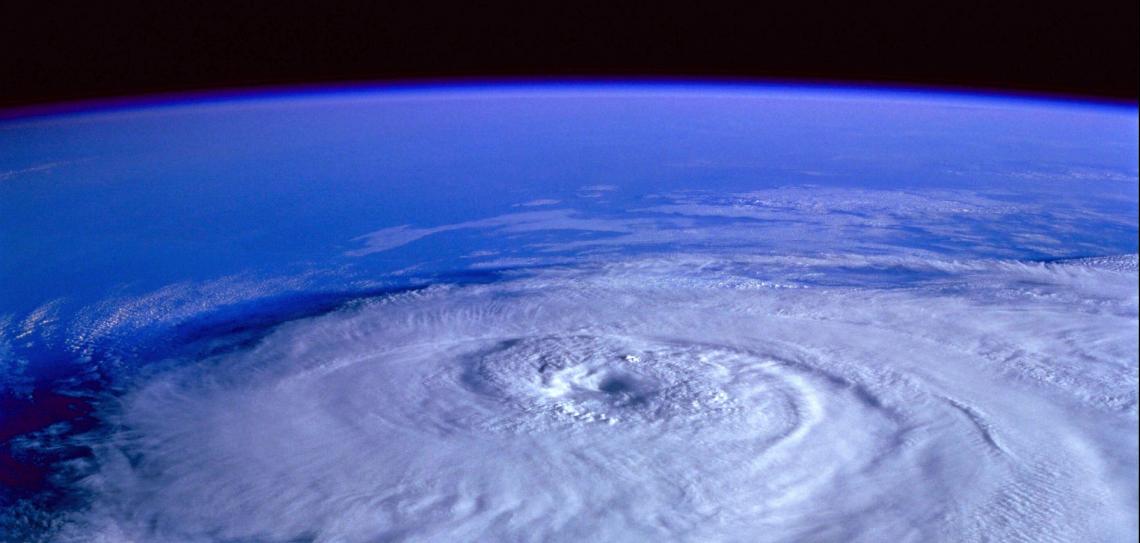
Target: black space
56,51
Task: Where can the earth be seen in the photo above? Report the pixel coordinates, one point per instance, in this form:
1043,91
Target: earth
566,312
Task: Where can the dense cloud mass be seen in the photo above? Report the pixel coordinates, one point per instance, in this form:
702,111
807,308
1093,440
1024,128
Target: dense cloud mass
689,398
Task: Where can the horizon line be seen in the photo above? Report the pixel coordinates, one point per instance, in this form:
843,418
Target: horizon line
242,93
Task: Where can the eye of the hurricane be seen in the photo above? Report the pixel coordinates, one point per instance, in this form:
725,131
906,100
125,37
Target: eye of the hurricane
606,380
617,386
599,386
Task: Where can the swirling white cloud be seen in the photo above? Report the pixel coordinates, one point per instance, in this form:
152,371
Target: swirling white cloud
689,398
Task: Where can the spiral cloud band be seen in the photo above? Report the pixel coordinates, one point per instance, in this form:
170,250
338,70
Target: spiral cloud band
688,398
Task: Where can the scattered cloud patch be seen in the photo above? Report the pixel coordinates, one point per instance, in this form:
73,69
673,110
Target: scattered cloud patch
22,172
539,202
531,221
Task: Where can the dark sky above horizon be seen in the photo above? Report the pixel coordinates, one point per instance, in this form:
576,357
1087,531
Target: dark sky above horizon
58,52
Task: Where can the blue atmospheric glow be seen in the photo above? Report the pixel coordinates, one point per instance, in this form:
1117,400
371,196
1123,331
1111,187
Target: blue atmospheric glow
556,85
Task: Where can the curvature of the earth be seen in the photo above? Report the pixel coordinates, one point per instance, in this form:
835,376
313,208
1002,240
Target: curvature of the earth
560,313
